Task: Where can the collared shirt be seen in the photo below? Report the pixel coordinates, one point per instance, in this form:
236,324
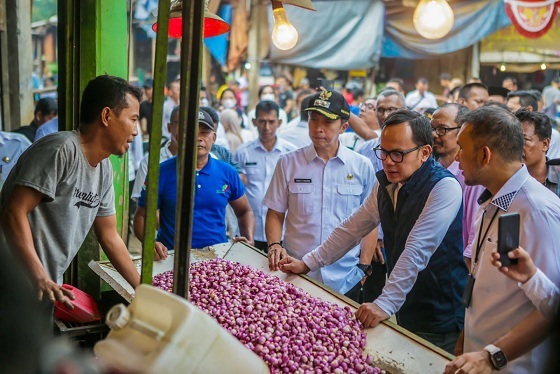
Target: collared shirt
425,237
298,136
164,155
168,106
367,150
554,148
258,165
497,303
352,141
417,102
544,295
12,145
470,207
217,183
47,128
317,196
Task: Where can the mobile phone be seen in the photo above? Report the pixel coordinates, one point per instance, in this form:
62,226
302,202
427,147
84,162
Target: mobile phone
327,84
508,237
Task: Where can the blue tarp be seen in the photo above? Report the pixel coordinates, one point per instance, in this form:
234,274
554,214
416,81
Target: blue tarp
218,45
339,35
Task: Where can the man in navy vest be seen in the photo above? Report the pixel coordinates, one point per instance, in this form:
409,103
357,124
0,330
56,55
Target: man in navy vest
419,206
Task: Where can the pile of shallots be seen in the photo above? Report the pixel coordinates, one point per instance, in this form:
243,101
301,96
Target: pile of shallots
292,331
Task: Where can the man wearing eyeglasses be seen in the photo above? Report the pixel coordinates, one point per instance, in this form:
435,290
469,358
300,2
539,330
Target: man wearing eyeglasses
354,141
418,204
446,123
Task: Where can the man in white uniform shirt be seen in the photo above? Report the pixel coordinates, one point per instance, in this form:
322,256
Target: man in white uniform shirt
314,189
299,135
172,100
421,99
491,142
257,161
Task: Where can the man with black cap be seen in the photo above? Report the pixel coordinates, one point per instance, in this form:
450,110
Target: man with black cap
314,189
217,185
45,110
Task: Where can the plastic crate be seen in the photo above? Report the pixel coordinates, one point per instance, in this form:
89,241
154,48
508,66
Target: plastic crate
85,308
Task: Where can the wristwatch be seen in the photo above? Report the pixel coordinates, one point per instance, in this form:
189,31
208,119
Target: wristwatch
497,357
366,268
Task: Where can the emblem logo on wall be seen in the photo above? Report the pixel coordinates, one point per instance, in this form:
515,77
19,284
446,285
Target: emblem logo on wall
532,18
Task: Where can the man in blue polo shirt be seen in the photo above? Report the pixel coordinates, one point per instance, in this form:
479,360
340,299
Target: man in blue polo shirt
217,185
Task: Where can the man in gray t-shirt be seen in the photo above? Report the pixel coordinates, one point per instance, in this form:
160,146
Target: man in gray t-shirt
63,184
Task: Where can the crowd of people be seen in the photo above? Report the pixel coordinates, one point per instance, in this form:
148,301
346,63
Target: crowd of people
393,201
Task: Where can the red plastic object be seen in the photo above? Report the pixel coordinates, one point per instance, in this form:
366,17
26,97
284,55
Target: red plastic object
212,27
85,308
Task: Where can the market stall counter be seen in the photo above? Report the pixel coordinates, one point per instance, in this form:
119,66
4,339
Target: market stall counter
393,348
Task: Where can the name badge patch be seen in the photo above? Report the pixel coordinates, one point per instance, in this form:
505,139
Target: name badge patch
302,180
250,164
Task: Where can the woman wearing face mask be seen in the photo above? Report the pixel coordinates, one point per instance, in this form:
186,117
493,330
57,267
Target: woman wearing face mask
228,100
266,93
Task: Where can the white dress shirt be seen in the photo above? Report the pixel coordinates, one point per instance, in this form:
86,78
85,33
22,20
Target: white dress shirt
498,303
168,106
544,295
298,136
419,103
258,165
164,154
554,148
444,201
367,150
317,196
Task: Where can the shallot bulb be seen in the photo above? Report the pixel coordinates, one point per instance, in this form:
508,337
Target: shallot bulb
292,331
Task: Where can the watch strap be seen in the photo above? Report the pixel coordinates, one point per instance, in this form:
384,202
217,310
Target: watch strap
497,357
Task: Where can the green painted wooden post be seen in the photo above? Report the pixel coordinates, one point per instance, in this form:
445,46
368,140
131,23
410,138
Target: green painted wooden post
160,73
102,48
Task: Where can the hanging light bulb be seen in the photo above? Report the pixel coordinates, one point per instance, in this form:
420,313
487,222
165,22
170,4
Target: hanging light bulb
502,67
433,19
213,25
284,34
543,66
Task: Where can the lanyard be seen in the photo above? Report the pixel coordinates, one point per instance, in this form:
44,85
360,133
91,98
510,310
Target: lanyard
480,240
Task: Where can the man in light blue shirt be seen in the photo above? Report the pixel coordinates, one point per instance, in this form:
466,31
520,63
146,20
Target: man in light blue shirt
388,101
314,189
257,161
12,145
48,128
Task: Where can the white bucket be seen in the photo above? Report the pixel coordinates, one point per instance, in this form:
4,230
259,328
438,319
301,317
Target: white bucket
163,333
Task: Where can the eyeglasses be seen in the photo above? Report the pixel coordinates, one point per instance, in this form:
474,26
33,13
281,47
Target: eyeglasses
368,106
387,111
441,131
396,156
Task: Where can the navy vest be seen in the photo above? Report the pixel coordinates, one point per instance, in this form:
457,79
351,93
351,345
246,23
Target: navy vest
434,302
